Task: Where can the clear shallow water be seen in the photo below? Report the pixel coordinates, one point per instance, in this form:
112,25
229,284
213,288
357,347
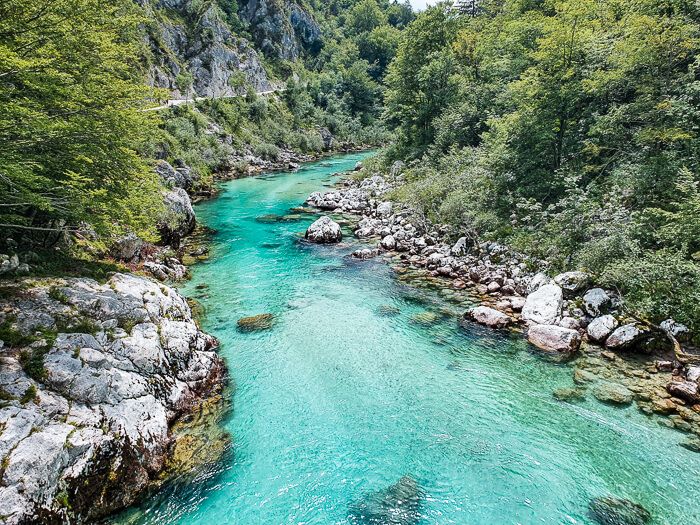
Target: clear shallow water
338,400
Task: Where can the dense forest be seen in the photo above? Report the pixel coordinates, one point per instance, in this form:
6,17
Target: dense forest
567,129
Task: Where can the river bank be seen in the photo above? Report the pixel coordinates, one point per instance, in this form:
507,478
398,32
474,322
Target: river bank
624,360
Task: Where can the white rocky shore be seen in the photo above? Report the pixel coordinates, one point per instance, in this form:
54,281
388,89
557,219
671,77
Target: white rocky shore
558,313
92,378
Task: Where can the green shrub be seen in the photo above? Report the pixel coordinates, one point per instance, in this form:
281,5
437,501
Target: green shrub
267,151
32,362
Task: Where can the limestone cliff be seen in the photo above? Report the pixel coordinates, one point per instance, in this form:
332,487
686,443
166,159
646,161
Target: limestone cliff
183,37
281,29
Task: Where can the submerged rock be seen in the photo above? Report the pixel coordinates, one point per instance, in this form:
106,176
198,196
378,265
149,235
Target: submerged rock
554,338
268,218
613,393
616,511
255,322
425,318
569,394
324,230
488,317
400,504
388,310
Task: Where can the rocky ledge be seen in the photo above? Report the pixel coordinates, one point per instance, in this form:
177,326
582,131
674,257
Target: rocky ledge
92,379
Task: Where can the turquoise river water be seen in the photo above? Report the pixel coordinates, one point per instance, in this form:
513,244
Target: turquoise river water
339,399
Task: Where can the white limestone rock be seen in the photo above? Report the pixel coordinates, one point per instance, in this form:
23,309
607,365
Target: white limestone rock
543,306
105,398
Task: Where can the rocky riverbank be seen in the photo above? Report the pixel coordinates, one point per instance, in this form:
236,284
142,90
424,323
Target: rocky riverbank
618,358
92,379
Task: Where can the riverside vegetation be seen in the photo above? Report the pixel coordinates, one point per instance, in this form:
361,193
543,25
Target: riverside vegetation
521,141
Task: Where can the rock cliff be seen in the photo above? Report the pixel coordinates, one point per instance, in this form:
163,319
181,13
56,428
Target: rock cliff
281,29
185,37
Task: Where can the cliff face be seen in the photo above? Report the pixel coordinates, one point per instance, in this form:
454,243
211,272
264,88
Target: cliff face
281,29
183,37
184,40
92,378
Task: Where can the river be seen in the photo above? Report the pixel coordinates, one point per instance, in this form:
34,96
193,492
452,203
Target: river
363,380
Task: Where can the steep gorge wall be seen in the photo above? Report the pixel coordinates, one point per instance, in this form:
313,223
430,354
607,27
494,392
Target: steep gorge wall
196,38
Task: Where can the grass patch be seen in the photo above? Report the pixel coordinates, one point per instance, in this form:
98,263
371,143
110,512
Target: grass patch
29,394
6,396
57,294
32,362
12,337
60,264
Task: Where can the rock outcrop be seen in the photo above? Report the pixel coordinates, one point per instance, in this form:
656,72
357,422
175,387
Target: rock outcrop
179,219
201,44
92,379
281,29
324,230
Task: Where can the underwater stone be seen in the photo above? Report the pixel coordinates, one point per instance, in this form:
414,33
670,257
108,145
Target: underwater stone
255,322
615,511
400,504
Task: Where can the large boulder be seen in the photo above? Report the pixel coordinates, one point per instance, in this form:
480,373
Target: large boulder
179,219
86,425
572,282
554,338
543,306
324,230
460,248
488,317
388,242
128,248
181,177
601,327
596,301
384,209
624,337
687,390
538,280
677,330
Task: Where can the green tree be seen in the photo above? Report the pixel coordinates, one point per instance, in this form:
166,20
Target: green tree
378,47
365,16
71,119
